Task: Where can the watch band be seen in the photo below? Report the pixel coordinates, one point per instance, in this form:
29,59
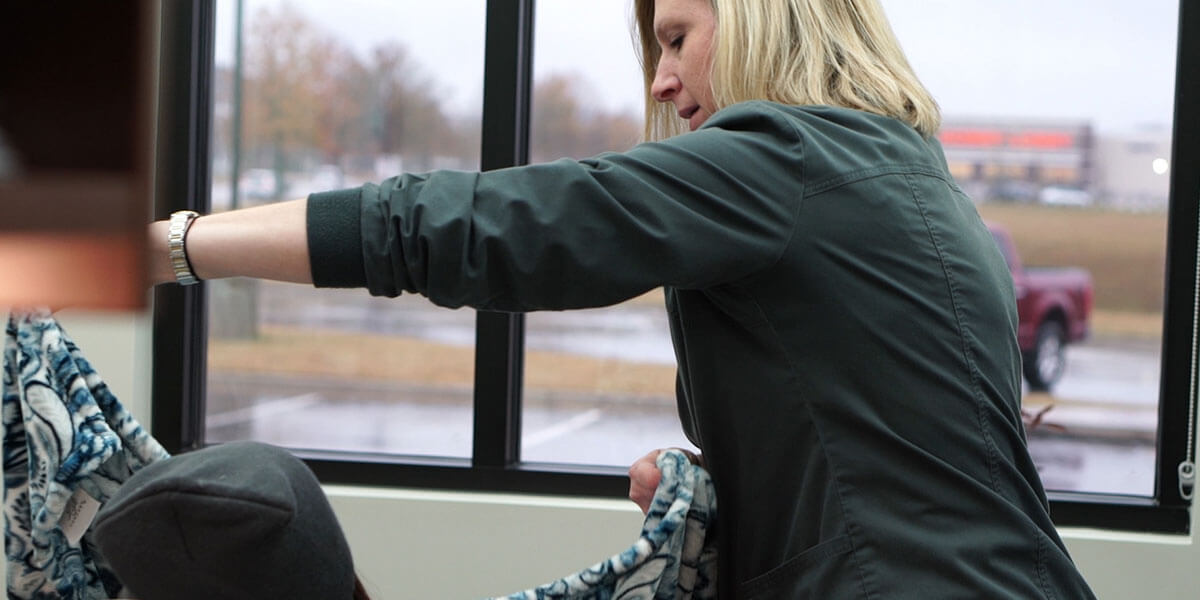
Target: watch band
181,221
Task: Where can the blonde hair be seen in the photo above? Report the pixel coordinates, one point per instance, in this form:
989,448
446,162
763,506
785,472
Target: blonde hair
801,52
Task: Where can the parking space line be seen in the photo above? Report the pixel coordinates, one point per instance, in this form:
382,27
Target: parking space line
261,410
562,428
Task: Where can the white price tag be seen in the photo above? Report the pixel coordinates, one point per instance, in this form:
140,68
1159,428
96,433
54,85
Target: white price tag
77,515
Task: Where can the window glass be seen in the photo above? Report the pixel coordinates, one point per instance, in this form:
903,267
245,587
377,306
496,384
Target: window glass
599,383
1060,136
1063,139
332,95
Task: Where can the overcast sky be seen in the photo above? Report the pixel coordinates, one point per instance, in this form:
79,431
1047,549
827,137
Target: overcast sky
1108,61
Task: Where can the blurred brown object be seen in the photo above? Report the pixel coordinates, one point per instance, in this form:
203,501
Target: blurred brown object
76,110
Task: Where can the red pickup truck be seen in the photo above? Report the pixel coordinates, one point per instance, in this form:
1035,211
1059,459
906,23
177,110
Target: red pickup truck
1054,307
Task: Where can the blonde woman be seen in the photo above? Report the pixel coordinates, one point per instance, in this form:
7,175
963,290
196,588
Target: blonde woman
843,323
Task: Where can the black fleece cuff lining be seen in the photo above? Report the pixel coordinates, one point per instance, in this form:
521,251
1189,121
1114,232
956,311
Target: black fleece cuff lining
335,239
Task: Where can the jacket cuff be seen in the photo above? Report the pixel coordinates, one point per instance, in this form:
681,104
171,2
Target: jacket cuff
334,226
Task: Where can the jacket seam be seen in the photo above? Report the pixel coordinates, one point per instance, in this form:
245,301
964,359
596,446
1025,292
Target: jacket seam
783,117
968,359
1041,565
757,586
841,179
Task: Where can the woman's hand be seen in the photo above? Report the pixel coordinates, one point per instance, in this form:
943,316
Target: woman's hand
644,476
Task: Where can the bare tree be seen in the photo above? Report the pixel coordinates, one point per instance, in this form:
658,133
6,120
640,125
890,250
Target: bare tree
564,125
281,97
309,96
341,84
406,114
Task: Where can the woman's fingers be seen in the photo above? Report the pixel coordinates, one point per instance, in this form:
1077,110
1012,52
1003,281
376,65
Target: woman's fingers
643,480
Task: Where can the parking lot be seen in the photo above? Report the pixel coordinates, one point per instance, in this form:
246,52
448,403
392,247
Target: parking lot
1098,436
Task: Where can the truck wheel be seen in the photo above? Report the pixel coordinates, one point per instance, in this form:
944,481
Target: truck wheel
1045,363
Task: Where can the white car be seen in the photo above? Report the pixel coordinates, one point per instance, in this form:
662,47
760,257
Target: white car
326,178
1064,196
259,184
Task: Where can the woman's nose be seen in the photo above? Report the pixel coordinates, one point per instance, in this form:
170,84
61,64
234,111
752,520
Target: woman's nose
665,84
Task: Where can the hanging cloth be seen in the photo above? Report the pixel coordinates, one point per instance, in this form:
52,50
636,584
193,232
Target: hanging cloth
68,446
675,557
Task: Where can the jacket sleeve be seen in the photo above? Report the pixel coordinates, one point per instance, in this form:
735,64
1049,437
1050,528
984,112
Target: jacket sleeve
701,209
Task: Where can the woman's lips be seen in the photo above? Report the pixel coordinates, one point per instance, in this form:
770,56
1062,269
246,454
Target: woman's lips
688,114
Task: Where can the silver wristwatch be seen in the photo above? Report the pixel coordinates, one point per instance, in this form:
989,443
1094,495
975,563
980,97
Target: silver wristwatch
177,246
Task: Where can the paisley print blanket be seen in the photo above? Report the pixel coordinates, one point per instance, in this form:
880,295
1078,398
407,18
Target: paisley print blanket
65,435
673,558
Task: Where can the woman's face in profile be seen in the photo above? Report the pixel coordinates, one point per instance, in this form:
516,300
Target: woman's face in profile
684,29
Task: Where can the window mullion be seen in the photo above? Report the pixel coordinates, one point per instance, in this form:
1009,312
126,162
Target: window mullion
1179,313
499,337
183,181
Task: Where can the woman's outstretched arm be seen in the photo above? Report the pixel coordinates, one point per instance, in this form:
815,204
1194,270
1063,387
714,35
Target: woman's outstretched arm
266,242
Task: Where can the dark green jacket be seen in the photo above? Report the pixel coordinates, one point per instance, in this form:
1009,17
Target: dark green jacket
844,325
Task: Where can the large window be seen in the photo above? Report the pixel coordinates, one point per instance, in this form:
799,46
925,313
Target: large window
599,383
1063,138
1069,144
312,96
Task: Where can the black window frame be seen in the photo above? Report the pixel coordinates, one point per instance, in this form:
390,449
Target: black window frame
180,314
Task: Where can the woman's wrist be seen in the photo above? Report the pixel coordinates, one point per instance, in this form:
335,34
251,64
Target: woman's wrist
265,242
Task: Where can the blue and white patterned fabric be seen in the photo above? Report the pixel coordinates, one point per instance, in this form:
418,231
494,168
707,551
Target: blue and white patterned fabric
63,430
673,558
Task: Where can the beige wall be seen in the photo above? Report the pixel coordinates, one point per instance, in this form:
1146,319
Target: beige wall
422,544
415,544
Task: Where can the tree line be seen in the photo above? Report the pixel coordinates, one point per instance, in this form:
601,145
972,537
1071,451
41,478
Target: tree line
307,98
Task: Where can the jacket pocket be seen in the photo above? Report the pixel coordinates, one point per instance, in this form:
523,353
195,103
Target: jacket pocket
803,575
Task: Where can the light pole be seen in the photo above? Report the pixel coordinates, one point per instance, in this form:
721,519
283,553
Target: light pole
236,135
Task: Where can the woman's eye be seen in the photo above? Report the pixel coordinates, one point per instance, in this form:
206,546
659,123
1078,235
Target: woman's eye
677,42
